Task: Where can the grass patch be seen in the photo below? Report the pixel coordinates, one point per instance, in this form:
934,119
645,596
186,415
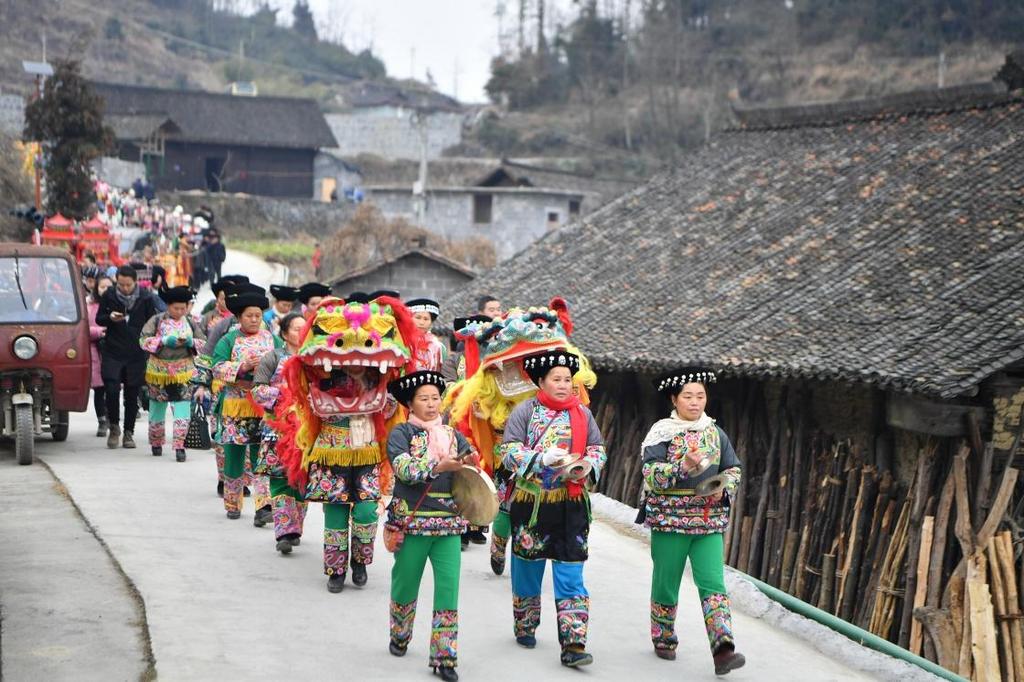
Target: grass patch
275,250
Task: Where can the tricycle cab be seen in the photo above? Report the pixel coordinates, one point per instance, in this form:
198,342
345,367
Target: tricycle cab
44,337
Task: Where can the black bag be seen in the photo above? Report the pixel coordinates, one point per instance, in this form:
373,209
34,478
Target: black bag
198,436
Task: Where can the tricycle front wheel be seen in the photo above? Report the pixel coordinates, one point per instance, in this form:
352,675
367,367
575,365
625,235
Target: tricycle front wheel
24,434
59,425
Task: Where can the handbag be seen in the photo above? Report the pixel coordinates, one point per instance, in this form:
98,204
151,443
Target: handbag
394,534
198,436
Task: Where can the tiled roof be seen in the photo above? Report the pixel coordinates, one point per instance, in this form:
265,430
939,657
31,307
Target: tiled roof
224,119
885,249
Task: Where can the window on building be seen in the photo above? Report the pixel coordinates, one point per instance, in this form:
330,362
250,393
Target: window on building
554,220
483,208
574,208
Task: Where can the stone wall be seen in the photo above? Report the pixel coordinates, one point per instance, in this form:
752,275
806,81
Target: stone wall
413,276
389,132
519,216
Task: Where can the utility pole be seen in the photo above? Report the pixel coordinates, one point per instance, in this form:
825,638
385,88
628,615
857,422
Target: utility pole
942,69
419,190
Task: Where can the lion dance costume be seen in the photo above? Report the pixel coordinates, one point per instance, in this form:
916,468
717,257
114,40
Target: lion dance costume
496,383
334,417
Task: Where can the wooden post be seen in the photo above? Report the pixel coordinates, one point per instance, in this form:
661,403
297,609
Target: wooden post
828,576
744,553
983,638
1004,550
920,593
999,605
760,515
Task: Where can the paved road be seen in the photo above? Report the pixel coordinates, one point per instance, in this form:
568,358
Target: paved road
255,268
221,604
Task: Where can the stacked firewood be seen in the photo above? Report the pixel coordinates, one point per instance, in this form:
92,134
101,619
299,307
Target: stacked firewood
932,563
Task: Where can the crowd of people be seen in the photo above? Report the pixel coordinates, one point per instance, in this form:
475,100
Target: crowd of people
353,403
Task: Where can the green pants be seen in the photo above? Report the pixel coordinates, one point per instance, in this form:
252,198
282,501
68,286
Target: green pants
502,524
336,515
279,486
670,552
445,554
234,458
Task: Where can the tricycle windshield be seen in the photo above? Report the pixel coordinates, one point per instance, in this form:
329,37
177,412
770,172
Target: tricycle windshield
34,289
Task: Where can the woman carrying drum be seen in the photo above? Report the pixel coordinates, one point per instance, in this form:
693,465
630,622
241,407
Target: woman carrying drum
689,470
553,446
423,520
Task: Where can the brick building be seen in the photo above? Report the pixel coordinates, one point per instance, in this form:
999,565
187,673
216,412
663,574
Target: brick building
419,272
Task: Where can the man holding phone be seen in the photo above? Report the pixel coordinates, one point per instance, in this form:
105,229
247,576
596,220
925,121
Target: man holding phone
124,309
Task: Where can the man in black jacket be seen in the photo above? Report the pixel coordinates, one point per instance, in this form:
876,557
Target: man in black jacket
124,309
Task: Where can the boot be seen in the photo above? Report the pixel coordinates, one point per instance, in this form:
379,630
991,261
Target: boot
446,673
157,451
220,488
476,536
358,574
396,649
573,656
114,436
179,454
264,515
728,659
283,546
499,544
336,583
102,427
128,440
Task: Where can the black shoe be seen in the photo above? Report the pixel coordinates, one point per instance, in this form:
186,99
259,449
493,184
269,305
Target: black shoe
157,451
498,567
526,641
336,583
294,539
666,654
283,546
446,673
574,659
396,649
358,574
728,659
465,541
476,537
245,492
233,515
220,488
179,455
264,515
101,428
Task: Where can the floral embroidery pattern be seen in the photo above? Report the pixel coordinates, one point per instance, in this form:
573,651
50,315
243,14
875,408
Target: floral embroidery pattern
685,514
335,552
369,483
402,617
289,514
525,615
261,491
233,494
527,544
324,486
717,620
573,616
499,547
444,638
363,535
156,433
663,626
425,523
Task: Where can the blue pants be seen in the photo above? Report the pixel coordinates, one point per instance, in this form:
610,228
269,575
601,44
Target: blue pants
572,601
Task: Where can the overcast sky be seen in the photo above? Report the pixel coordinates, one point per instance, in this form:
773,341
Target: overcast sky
412,36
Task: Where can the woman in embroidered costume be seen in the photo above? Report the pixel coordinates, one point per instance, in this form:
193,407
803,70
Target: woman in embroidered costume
171,339
679,453
289,509
234,359
424,453
334,421
433,352
284,301
553,446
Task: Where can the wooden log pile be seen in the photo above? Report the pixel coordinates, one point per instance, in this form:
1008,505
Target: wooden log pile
932,563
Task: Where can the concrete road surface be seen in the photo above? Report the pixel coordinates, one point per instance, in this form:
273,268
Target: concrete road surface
221,604
255,268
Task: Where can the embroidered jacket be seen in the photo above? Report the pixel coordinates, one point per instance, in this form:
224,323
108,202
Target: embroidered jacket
239,414
414,471
171,345
669,504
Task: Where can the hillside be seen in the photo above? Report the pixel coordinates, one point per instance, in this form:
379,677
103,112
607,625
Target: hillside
177,44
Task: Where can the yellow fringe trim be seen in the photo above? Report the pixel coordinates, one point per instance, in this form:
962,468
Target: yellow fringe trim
162,379
546,496
239,408
216,386
348,457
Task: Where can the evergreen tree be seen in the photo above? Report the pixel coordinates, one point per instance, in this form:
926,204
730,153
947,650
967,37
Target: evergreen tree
68,121
303,23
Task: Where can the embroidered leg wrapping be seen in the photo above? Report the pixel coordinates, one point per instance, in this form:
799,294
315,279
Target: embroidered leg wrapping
402,617
444,639
261,491
573,616
156,432
232,494
717,620
363,535
287,516
526,615
179,433
218,453
663,626
499,543
335,552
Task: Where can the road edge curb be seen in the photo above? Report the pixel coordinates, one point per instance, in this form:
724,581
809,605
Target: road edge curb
149,673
